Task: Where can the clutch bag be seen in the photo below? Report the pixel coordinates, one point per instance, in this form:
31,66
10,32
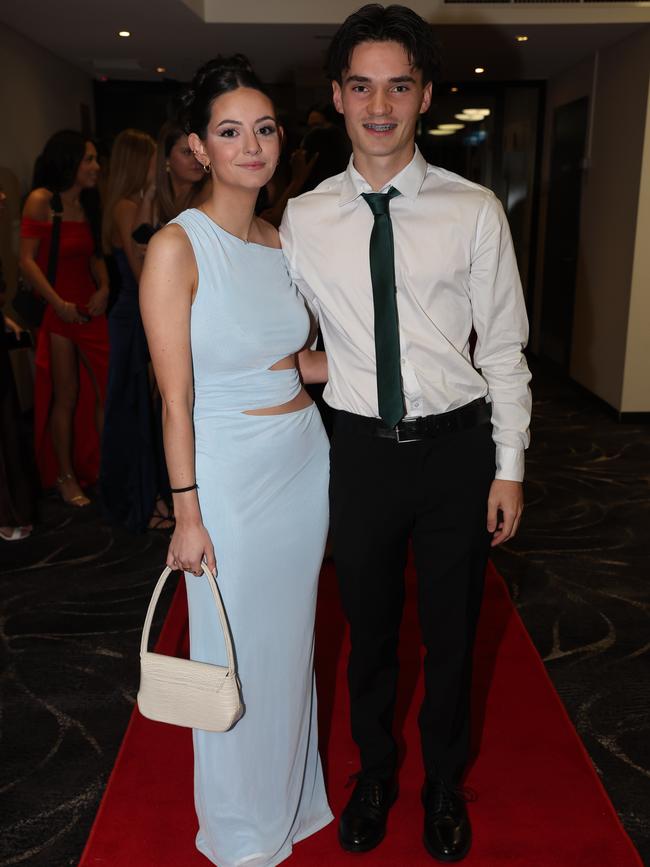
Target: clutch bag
185,692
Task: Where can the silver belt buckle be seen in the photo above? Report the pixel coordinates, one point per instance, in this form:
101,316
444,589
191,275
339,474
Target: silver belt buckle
404,437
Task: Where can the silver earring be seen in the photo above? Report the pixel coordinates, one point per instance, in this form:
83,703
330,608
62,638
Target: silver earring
206,169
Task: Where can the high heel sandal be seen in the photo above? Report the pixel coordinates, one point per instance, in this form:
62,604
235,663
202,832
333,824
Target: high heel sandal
79,501
15,534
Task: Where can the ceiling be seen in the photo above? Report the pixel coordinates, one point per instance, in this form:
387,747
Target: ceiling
168,33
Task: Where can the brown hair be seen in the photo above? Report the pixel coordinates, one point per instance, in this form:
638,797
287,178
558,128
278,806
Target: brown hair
213,79
376,23
130,158
167,206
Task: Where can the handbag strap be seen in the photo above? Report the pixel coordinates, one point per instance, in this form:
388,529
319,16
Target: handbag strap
144,643
53,259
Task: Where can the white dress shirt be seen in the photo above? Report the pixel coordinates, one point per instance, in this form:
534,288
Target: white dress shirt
455,268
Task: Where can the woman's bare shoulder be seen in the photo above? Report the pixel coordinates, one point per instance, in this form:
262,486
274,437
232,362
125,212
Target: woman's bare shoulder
37,204
269,235
170,251
171,237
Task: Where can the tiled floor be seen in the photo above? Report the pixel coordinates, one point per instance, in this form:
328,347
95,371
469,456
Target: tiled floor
73,601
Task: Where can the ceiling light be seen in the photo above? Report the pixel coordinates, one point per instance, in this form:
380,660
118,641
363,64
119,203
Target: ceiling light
453,90
451,126
124,33
441,132
161,69
521,37
474,118
479,70
479,112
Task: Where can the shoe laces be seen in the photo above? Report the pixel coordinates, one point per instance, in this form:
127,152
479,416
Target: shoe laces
444,798
367,791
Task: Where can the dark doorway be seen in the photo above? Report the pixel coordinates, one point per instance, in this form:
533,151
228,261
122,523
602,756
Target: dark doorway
563,230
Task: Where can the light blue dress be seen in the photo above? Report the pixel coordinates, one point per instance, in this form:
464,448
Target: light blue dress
263,495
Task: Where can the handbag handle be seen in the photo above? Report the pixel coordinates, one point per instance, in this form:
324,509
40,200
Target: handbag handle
144,643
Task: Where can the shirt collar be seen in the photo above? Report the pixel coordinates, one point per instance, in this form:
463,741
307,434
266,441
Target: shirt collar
408,181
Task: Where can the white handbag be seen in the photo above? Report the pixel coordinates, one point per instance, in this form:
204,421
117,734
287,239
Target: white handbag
185,692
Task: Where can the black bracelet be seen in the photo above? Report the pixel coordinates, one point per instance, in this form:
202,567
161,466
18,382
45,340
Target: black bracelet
193,487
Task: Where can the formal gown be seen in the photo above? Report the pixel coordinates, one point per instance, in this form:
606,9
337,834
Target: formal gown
133,472
74,282
18,488
263,497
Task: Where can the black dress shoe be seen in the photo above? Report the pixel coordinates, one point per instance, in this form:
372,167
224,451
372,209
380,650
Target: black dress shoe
447,832
363,822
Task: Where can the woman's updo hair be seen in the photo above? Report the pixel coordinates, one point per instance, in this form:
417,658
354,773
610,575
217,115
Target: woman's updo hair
216,77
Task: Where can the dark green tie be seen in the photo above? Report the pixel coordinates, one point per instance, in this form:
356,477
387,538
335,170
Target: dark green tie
382,272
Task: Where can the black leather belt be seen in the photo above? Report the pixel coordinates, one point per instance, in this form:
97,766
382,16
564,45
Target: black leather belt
412,430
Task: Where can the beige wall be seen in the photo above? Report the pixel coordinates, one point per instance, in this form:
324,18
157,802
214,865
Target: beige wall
636,382
39,94
609,219
612,279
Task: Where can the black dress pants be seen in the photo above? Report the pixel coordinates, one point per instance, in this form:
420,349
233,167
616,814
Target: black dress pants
383,494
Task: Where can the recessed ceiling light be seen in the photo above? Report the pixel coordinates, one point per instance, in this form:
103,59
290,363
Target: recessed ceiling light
479,112
479,70
441,132
521,37
453,89
451,126
474,118
161,69
124,33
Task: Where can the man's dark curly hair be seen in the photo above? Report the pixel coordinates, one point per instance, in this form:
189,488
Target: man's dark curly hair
376,23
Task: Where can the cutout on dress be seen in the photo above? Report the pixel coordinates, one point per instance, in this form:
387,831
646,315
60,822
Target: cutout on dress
300,401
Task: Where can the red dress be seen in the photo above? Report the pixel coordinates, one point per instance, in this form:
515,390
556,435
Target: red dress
74,283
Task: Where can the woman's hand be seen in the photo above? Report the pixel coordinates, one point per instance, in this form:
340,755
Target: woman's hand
13,326
67,311
97,302
189,546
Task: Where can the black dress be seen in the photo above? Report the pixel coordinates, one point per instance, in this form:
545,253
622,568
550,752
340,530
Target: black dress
18,484
133,473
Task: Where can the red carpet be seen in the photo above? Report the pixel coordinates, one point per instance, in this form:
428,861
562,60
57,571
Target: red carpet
539,801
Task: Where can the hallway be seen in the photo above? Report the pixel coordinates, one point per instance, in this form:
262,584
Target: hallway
74,599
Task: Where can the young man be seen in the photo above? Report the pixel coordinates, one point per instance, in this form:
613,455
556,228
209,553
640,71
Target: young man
400,260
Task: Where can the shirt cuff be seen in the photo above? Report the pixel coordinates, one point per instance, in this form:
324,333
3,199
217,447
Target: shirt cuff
510,464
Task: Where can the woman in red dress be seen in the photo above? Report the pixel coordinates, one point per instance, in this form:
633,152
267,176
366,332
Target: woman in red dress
72,345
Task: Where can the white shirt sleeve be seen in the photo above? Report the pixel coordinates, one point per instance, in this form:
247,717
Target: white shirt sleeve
501,324
288,241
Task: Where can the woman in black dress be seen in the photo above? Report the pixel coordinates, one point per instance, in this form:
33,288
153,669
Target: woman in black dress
133,478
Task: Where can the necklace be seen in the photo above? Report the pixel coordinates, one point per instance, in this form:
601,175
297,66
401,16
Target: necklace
233,234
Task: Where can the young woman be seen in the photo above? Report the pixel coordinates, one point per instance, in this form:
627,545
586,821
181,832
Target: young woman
17,474
72,347
133,478
179,181
248,464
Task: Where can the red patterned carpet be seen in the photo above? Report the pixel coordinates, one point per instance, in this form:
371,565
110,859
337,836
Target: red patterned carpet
539,803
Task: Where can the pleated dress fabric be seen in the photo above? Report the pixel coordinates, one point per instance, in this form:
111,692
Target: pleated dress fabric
263,496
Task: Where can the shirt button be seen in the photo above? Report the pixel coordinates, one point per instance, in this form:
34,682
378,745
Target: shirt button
403,361
417,404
